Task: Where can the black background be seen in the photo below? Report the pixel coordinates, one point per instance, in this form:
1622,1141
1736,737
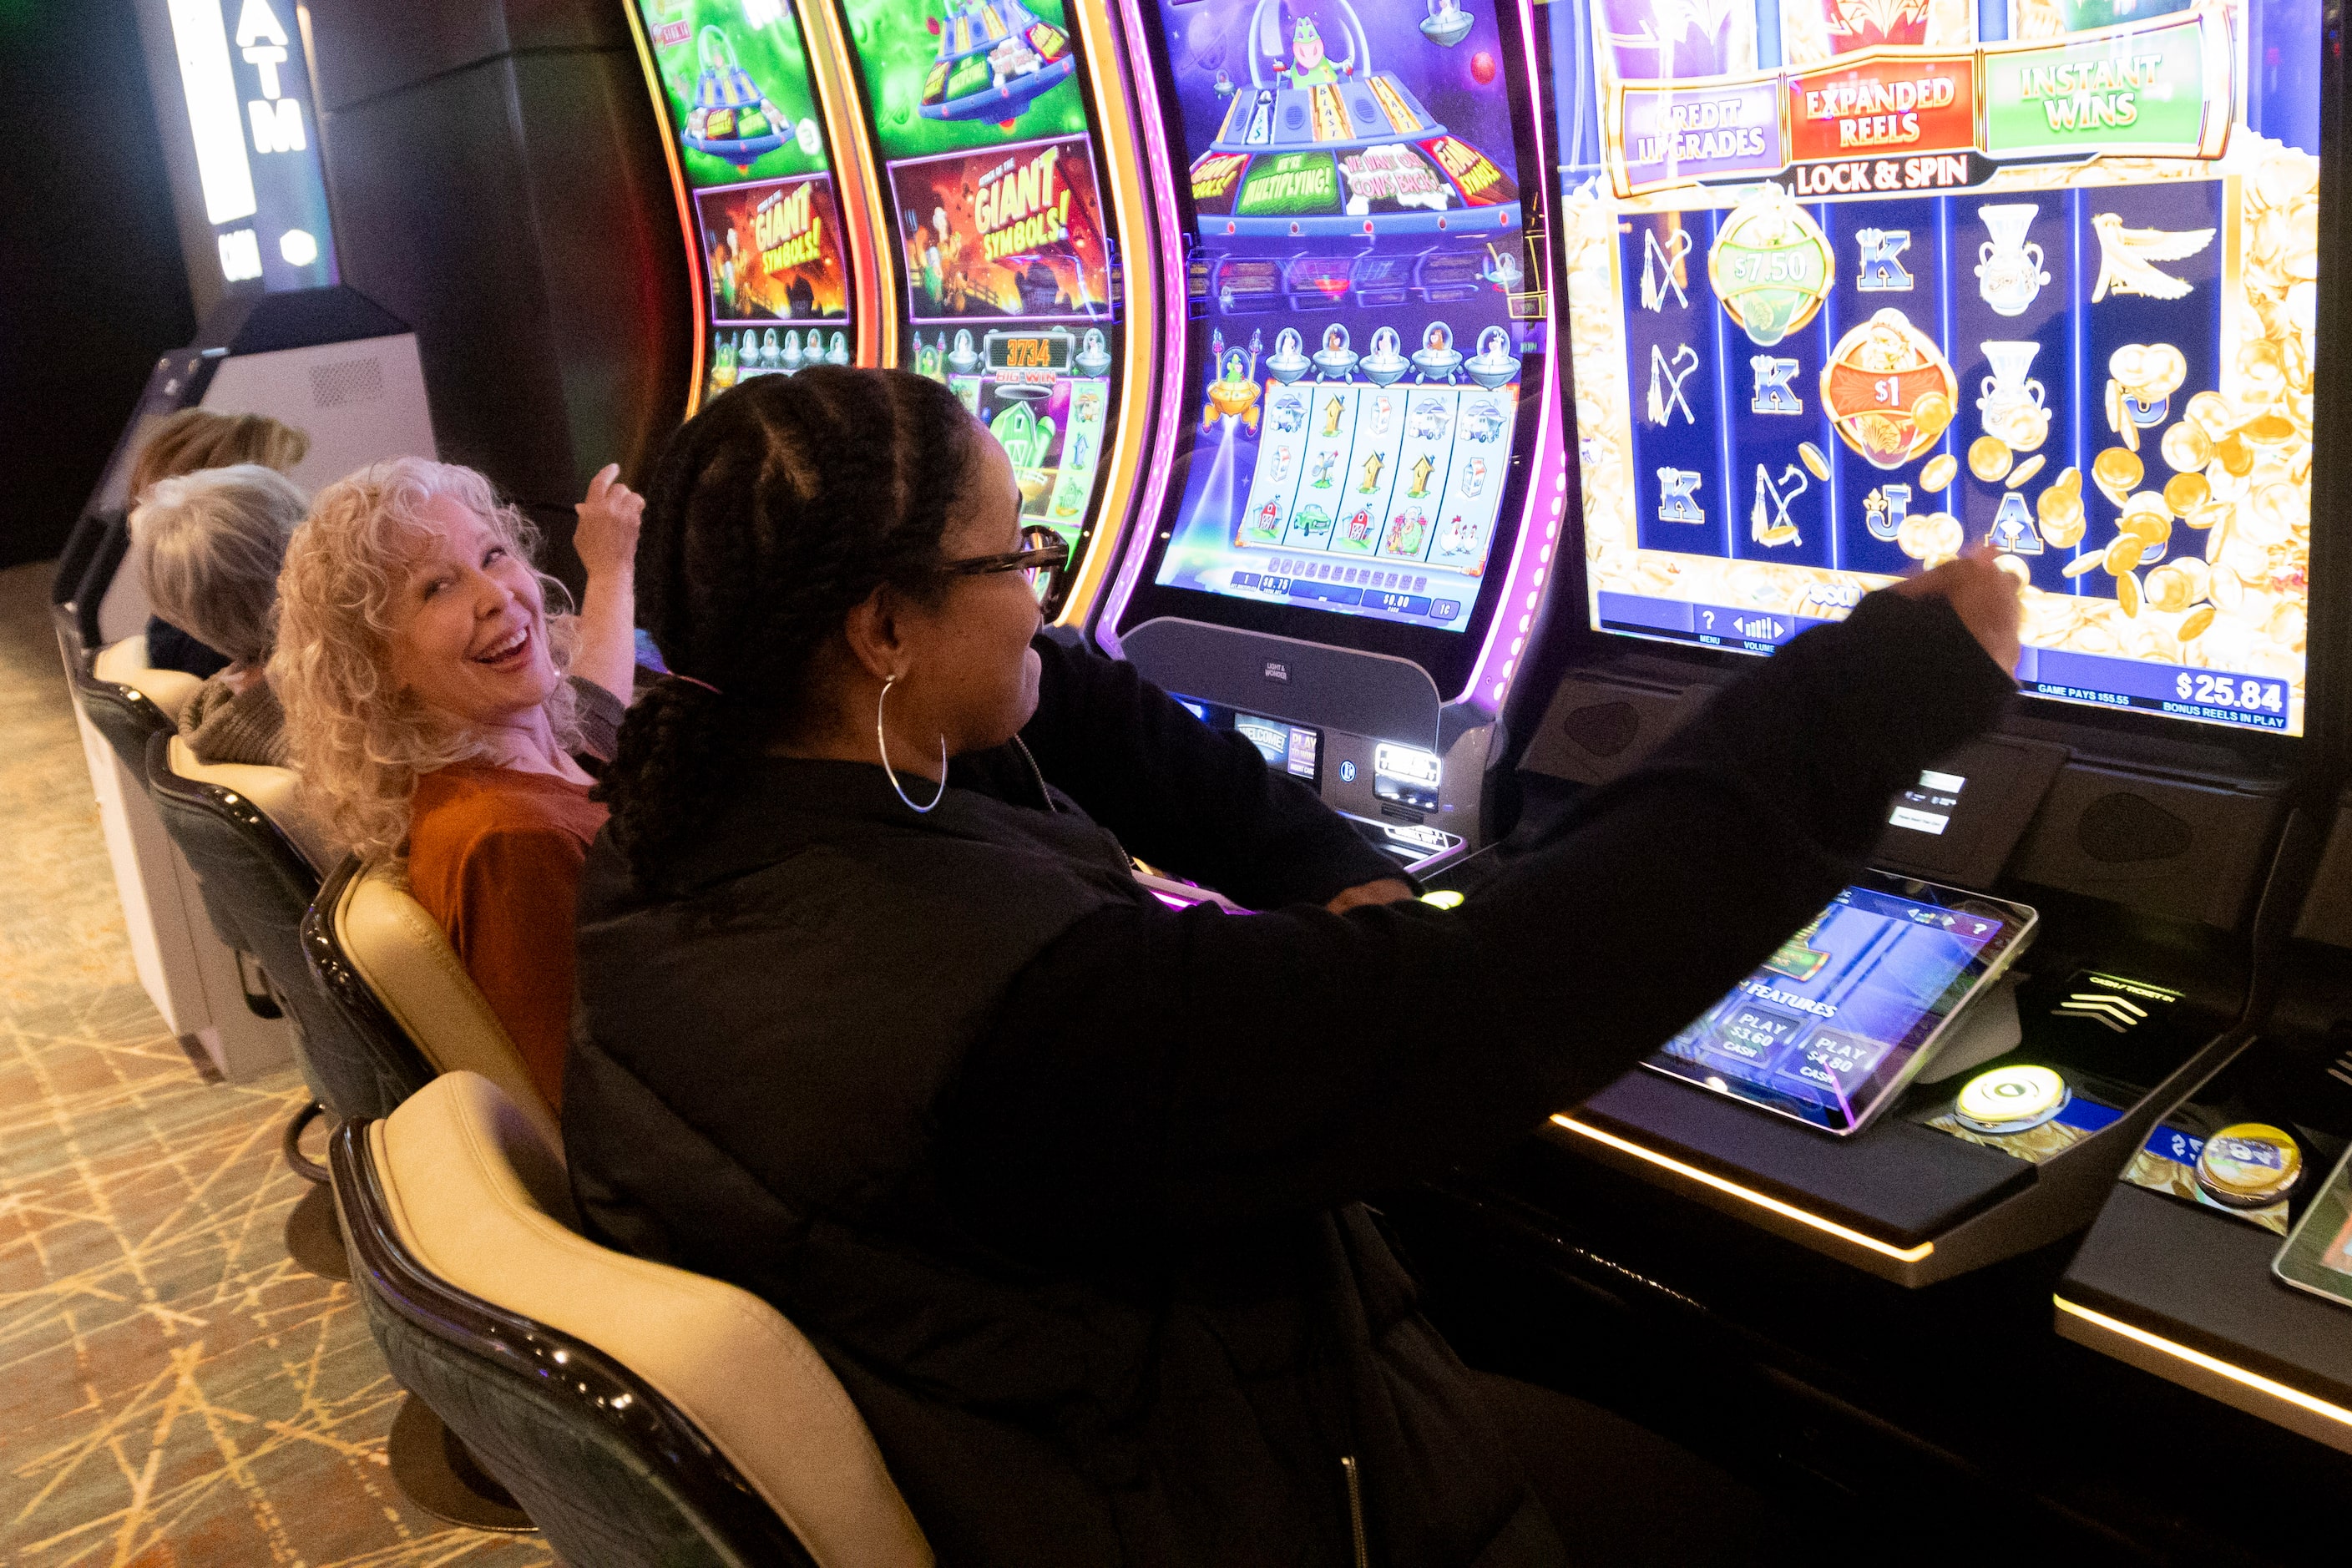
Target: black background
92,286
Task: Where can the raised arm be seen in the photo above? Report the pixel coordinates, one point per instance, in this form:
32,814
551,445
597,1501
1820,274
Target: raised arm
606,542
1152,1073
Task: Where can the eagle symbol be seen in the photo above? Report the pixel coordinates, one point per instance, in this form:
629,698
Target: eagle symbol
2126,256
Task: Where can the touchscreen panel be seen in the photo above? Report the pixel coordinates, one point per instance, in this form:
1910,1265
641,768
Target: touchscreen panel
1850,283
1828,1026
751,142
1360,342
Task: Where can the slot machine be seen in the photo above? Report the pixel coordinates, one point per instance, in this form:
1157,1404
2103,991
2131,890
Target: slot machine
1848,287
1844,287
1000,159
1350,544
779,250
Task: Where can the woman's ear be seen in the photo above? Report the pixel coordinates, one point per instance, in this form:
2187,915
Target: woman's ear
872,633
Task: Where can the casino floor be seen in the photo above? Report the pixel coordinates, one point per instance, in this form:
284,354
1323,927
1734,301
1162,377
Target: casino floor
173,1387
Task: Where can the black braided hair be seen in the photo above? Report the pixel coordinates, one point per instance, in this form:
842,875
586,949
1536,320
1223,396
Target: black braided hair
773,513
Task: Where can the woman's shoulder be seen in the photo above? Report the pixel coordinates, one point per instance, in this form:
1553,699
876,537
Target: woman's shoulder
458,807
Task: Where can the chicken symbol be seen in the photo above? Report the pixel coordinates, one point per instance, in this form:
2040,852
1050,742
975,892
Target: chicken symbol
2126,255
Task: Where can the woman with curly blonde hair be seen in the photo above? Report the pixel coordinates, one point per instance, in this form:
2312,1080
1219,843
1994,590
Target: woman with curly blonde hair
427,704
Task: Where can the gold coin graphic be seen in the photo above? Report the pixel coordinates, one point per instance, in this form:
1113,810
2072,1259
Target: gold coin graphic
2184,494
1941,470
2118,472
1989,458
1815,464
2186,446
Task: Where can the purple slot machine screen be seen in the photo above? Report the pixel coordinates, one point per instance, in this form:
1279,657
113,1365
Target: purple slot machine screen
1360,352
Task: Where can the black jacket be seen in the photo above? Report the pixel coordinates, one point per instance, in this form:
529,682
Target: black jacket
1062,1183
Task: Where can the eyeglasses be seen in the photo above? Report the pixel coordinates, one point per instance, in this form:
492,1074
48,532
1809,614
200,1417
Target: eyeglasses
1043,557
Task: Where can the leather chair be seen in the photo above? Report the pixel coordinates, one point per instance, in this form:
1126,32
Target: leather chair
128,704
210,997
391,972
255,853
642,1415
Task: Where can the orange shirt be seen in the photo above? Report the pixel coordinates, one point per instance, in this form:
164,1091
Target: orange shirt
494,855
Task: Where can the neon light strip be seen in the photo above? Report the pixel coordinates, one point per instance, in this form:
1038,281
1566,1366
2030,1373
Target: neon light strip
2214,1365
670,132
1522,604
829,79
1173,301
1126,455
1747,1195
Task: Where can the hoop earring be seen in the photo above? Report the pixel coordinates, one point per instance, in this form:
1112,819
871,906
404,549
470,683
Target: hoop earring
882,744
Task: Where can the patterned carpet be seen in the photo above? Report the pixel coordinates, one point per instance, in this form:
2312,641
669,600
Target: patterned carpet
173,1389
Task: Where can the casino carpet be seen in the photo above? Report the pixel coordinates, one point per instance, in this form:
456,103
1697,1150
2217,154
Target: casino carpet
173,1389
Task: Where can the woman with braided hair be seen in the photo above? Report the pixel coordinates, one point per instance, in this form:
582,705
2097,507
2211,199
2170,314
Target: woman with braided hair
875,1021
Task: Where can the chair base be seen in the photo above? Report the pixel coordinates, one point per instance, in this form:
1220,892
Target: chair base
314,1236
290,1144
434,1470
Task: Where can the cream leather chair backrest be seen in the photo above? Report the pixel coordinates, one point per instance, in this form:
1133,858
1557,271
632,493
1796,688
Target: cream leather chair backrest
278,792
125,664
476,1192
407,961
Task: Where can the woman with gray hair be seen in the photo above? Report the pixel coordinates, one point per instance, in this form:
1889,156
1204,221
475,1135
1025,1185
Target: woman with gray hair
209,546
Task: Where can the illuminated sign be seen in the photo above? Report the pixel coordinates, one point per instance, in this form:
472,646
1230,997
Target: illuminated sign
1037,358
2160,88
1674,133
1021,207
1292,183
256,159
1906,105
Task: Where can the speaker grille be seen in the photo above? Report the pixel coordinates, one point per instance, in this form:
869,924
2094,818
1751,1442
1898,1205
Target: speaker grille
2123,828
1602,729
346,381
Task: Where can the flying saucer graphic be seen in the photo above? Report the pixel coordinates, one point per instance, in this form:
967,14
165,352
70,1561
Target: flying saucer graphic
1324,144
1447,23
995,59
732,117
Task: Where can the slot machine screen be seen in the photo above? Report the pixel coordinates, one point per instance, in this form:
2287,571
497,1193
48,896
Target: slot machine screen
1364,356
1852,284
750,143
1008,255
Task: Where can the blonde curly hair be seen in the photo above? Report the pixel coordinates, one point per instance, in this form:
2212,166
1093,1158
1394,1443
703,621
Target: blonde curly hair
361,739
